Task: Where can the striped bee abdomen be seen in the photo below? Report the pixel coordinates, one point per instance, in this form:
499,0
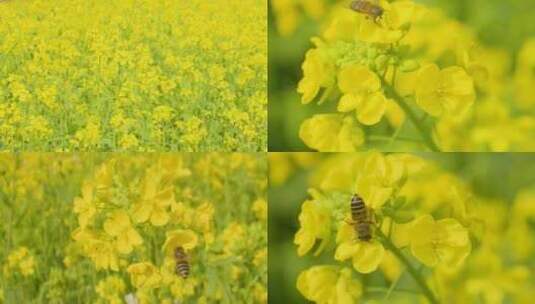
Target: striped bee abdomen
182,263
358,208
182,269
361,222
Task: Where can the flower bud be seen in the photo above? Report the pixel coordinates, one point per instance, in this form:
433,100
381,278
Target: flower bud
409,66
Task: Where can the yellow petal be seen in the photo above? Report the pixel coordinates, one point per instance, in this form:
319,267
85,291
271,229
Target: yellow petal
304,241
358,79
371,109
141,212
401,234
350,136
166,197
406,83
457,235
186,239
116,223
421,229
308,88
134,237
346,250
345,233
455,256
159,217
123,245
457,81
368,257
316,283
427,96
331,133
399,14
349,102
425,254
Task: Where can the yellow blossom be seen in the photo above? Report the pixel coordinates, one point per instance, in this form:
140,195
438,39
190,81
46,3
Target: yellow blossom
111,289
331,132
366,256
317,73
314,224
329,285
102,253
154,202
85,206
144,275
379,177
21,261
126,237
447,91
186,239
260,209
439,242
361,89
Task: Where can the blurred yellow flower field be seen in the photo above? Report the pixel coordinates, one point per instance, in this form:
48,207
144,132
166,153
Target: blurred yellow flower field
133,75
412,78
437,228
105,228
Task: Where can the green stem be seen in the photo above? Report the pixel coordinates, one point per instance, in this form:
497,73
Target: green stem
408,265
411,115
388,139
385,290
393,285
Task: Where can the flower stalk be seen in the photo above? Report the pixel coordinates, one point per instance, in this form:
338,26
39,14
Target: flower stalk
408,265
391,92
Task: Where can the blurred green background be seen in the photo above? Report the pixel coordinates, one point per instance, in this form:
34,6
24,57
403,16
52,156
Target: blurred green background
490,175
498,23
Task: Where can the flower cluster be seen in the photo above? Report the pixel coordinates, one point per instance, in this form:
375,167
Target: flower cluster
20,261
396,83
114,222
424,223
139,76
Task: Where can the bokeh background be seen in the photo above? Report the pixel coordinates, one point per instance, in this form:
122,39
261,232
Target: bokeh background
491,176
505,24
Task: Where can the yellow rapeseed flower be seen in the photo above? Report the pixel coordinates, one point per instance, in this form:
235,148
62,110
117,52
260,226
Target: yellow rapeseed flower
154,203
329,285
84,205
260,209
362,93
186,239
331,133
379,177
111,289
447,91
314,222
317,73
144,275
366,256
21,261
118,225
444,241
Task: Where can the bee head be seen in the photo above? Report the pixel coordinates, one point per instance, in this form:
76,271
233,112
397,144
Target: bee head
179,252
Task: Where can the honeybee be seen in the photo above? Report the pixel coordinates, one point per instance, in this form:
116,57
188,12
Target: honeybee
361,218
367,8
182,262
